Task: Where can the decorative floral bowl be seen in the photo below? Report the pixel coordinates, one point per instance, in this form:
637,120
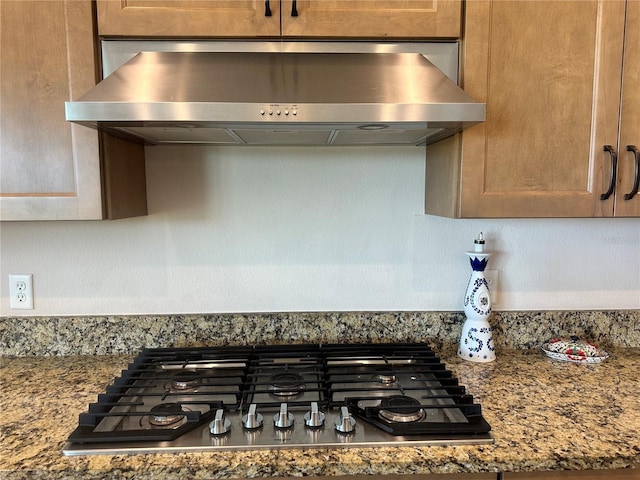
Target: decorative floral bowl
573,349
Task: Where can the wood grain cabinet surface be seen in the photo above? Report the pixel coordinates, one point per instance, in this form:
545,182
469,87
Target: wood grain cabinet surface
280,18
418,476
627,205
550,74
627,474
49,168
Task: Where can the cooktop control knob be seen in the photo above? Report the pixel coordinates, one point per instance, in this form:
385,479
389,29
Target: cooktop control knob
252,419
345,423
283,419
314,418
220,425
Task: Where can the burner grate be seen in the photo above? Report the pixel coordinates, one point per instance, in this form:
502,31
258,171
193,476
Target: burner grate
142,401
457,415
291,374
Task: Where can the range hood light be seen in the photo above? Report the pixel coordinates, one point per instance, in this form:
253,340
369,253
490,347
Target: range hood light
373,126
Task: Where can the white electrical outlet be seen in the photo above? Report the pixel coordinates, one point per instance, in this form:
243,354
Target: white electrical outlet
493,277
21,291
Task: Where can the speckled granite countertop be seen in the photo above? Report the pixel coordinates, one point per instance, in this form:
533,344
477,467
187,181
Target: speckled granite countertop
574,417
113,335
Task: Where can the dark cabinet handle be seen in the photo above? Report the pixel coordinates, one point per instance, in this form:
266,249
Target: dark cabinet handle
614,169
636,182
267,8
294,8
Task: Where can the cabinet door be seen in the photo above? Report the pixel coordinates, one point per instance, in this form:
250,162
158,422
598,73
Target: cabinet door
372,18
49,169
550,75
630,117
188,18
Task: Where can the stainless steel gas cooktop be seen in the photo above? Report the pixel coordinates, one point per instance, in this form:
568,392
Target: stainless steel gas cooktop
267,397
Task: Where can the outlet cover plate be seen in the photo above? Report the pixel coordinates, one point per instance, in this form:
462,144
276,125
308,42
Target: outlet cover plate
21,291
493,281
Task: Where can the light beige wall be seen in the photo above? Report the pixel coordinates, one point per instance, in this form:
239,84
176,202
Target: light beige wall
299,229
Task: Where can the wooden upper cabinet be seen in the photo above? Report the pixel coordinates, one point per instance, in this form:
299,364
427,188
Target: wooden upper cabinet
372,18
49,168
312,18
188,18
627,204
550,74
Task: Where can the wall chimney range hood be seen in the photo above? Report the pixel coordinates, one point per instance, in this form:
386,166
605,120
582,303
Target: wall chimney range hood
275,93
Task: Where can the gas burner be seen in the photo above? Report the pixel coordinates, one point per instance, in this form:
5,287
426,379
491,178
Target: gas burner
384,375
166,415
286,384
400,409
186,380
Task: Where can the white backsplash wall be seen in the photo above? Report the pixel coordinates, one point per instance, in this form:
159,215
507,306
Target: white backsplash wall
308,229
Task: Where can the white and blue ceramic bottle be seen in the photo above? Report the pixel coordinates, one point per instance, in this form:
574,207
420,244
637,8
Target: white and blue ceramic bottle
476,339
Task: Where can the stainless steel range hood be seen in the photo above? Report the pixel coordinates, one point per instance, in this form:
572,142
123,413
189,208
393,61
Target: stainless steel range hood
278,98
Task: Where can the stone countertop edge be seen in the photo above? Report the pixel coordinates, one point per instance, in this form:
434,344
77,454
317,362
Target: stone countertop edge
113,335
545,415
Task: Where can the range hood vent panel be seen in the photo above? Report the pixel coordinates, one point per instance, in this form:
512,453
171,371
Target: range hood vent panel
245,98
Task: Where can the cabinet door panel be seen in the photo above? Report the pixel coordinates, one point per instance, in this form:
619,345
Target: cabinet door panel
372,18
549,73
627,474
188,18
32,81
630,117
49,169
